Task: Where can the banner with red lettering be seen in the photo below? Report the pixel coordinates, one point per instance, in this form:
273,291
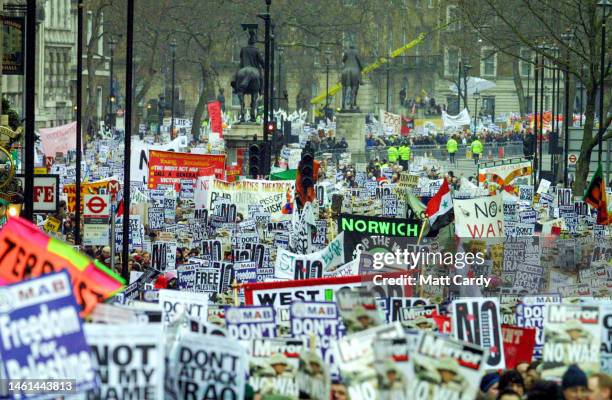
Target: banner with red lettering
169,168
518,345
59,139
214,115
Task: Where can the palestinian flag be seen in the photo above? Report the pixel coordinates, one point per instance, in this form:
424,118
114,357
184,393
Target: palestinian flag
439,205
595,196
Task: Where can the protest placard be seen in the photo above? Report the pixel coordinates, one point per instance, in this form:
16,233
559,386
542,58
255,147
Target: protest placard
572,335
163,256
31,253
53,345
247,323
479,218
354,354
274,366
129,360
295,266
443,367
478,321
606,337
518,345
169,168
174,302
207,366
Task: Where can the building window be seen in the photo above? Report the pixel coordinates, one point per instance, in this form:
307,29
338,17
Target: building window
451,61
488,62
452,14
488,106
430,3
99,102
452,105
526,67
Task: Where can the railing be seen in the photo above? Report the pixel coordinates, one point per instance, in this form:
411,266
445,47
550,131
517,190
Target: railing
492,150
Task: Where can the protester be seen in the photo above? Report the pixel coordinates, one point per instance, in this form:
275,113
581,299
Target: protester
574,385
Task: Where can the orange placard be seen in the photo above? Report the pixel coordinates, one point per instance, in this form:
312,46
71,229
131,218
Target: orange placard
169,168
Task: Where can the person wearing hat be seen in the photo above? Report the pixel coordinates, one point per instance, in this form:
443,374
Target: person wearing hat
279,364
423,323
574,384
448,368
362,318
512,380
489,386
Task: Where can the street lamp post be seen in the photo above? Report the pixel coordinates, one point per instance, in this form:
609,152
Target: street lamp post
476,98
112,42
388,69
459,85
466,70
173,50
604,5
279,91
327,56
567,37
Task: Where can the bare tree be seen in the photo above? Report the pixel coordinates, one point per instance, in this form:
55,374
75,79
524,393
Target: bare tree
539,25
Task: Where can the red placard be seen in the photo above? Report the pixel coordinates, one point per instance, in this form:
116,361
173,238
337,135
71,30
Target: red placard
169,168
214,115
518,345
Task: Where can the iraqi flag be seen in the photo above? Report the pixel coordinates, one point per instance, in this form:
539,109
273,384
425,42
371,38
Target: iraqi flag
440,206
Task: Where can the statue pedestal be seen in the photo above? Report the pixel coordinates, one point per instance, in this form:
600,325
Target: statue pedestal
239,137
351,126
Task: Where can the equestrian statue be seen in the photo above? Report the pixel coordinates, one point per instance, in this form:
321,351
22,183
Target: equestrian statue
248,79
351,77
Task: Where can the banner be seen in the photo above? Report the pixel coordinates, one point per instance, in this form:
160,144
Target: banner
42,336
169,168
208,367
505,175
518,345
479,218
26,252
163,257
391,123
572,335
60,139
129,360
272,195
364,234
139,159
296,266
477,320
444,368
214,115
456,121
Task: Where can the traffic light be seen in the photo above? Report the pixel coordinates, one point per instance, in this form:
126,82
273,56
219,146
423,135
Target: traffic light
271,128
307,174
259,159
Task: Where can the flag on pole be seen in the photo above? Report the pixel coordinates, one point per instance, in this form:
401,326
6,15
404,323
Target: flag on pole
595,196
441,204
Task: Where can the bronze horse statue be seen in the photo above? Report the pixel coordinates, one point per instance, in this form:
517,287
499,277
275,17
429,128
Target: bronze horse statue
351,78
248,79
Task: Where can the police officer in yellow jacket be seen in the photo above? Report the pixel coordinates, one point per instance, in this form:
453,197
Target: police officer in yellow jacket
451,147
392,153
477,149
404,155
